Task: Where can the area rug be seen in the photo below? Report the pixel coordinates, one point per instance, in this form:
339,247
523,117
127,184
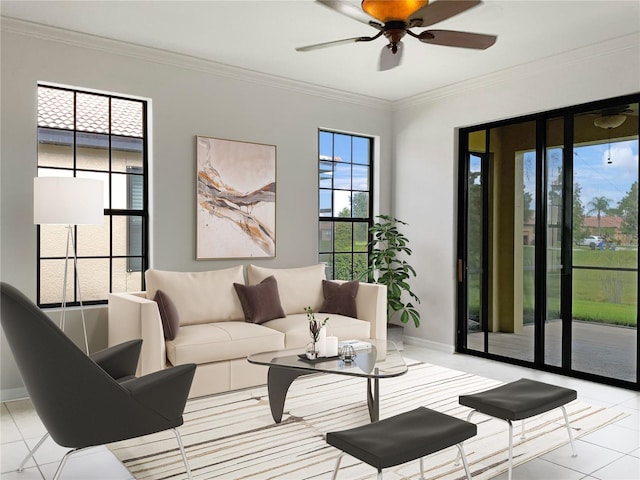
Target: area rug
232,436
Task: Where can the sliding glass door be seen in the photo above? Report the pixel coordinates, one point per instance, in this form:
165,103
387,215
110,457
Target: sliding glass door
548,241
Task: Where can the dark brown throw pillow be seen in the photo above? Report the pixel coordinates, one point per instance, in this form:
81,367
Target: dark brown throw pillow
340,298
168,314
261,302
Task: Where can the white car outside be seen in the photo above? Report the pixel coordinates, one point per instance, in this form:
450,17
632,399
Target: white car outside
589,241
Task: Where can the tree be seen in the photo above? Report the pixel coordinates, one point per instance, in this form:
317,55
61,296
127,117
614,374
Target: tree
628,210
599,205
578,213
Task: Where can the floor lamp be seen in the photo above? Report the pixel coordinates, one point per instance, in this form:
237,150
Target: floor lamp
69,201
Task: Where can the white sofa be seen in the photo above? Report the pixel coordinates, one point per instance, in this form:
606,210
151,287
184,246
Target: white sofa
213,332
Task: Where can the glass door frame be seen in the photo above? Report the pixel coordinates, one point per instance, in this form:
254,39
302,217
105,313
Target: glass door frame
540,245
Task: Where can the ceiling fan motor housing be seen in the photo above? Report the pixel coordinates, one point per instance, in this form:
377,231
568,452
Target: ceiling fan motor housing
394,31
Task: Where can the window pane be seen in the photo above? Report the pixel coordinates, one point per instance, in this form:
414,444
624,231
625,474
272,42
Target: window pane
92,113
51,280
126,117
126,152
94,278
343,268
360,236
360,205
55,148
342,174
344,234
326,145
342,148
361,150
53,240
360,266
325,203
325,237
327,259
92,151
342,203
123,279
326,174
55,108
93,240
360,177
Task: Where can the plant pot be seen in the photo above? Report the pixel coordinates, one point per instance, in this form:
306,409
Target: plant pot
395,334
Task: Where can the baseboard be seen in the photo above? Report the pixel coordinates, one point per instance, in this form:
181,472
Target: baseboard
421,342
9,394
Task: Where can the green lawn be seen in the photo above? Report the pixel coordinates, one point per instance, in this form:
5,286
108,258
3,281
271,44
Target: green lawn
598,295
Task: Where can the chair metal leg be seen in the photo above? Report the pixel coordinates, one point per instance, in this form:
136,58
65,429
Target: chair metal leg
510,448
566,421
464,460
522,437
184,455
65,458
379,475
32,452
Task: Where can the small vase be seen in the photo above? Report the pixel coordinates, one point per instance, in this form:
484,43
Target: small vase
312,351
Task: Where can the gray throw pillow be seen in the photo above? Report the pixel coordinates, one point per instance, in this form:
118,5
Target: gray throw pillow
340,298
261,302
168,314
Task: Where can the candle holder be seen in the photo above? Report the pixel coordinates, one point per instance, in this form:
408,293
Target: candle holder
347,354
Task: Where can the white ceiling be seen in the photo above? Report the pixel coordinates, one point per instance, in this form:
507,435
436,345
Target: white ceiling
261,35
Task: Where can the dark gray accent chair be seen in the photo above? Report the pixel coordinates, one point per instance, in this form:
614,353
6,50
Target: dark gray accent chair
403,438
89,401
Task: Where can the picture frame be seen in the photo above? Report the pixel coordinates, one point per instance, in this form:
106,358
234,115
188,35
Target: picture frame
236,199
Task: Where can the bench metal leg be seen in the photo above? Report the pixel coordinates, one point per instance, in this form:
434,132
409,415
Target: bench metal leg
335,470
457,462
566,421
464,460
510,448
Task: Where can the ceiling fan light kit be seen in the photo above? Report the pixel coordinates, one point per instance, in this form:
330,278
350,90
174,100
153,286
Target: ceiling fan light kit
387,10
609,121
398,17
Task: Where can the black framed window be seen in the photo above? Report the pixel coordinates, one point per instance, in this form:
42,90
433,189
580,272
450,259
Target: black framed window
345,180
100,136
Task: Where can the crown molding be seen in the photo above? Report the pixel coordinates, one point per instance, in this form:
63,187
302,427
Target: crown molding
517,73
165,57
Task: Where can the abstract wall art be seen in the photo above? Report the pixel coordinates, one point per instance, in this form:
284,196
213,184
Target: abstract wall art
236,199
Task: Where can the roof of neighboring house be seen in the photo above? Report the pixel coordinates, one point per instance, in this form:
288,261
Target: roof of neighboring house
605,222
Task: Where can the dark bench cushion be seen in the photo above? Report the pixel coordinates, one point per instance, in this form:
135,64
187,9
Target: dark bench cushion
518,400
402,438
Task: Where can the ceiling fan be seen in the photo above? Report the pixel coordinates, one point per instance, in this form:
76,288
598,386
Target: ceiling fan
396,18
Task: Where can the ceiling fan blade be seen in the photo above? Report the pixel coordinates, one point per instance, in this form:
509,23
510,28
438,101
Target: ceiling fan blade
333,43
350,10
388,59
440,10
451,38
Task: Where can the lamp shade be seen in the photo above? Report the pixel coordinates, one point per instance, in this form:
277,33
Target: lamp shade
68,201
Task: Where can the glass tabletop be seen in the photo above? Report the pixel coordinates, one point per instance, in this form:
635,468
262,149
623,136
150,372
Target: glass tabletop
381,360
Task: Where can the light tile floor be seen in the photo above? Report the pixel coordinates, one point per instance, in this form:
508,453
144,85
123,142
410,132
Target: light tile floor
611,453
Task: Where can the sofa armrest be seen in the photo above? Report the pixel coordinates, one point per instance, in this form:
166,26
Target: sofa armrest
133,316
371,303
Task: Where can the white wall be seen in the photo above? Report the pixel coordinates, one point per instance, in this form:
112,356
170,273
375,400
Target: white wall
426,156
189,98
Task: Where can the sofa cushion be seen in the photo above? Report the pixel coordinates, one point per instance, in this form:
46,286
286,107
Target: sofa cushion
260,302
340,298
298,287
200,297
168,315
215,342
296,328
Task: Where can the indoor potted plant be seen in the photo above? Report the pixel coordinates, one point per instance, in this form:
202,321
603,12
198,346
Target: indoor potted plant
388,266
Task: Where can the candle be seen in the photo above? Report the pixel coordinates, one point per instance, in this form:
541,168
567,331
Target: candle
331,346
322,342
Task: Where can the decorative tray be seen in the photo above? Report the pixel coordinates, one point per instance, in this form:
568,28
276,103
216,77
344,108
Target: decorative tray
303,357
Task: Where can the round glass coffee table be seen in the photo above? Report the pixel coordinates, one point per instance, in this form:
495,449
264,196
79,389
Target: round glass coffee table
381,360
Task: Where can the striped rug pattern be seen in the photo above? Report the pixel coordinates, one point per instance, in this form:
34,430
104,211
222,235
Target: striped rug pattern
232,436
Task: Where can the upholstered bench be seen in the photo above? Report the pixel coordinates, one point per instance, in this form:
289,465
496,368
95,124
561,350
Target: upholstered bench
519,400
402,438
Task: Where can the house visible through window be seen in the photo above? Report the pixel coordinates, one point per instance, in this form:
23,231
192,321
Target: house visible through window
345,203
94,135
